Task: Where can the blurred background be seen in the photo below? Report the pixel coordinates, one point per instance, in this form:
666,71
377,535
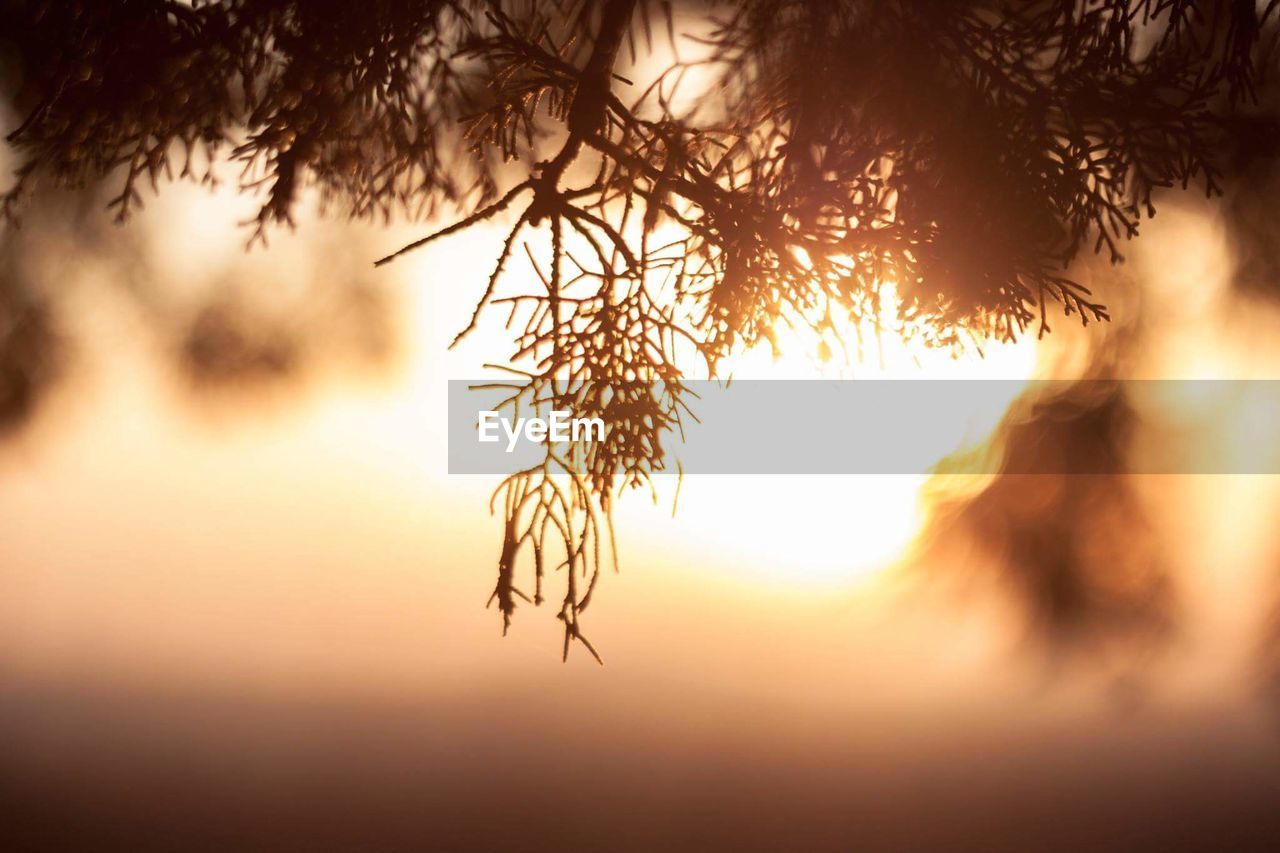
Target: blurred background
242,602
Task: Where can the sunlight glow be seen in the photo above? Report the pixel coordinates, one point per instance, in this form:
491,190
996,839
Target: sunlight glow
837,531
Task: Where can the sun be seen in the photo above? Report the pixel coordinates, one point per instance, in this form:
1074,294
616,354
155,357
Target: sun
837,531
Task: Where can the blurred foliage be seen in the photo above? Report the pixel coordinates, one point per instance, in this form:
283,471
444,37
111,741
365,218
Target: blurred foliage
1069,541
237,327
32,348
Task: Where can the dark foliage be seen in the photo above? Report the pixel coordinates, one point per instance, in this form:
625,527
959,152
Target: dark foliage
932,167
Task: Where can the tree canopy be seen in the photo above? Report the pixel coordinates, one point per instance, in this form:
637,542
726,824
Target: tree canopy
683,177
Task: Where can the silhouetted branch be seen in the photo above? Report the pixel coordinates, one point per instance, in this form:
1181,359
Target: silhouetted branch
932,169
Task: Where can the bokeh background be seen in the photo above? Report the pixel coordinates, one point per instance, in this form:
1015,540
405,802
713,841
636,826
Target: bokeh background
242,602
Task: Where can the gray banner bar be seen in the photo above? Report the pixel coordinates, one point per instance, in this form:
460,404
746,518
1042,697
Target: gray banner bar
891,427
